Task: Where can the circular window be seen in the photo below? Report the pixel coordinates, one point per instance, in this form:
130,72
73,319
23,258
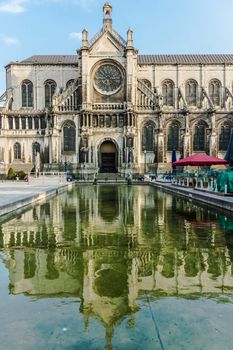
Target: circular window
108,79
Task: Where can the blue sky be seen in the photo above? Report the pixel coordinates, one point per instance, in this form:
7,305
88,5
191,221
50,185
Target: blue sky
31,27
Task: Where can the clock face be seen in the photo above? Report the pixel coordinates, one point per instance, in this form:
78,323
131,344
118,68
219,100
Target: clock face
108,79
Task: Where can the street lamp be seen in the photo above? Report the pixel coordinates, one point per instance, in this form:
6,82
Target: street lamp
144,161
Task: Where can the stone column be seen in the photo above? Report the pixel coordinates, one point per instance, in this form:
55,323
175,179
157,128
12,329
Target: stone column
213,136
160,140
186,149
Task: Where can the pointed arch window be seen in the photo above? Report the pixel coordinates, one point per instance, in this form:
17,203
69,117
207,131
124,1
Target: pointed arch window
168,93
50,87
148,137
27,93
17,151
173,136
69,134
215,92
200,137
191,92
224,136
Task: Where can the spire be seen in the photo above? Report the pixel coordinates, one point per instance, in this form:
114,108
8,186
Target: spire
107,19
130,38
84,38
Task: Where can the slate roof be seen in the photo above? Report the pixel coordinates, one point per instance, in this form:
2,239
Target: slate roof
185,59
142,59
51,59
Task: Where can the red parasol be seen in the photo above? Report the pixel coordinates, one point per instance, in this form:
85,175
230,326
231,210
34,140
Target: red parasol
200,159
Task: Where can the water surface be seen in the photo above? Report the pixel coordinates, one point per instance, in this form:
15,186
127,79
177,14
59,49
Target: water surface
116,267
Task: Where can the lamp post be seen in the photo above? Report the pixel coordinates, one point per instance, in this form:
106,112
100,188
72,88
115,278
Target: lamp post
144,161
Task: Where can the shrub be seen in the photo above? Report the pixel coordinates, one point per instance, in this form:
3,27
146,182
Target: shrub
11,174
21,174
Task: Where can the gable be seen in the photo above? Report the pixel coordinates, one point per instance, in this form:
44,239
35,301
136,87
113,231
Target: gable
107,43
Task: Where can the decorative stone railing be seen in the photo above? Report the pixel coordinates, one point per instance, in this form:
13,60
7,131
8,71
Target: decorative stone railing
107,106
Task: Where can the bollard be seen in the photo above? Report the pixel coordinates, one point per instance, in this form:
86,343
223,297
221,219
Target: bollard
225,189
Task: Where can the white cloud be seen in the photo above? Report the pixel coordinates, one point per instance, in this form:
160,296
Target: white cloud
9,40
76,36
12,6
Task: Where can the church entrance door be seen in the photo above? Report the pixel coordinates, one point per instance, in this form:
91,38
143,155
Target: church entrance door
108,157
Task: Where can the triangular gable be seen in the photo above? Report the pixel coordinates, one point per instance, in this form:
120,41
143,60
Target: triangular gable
107,41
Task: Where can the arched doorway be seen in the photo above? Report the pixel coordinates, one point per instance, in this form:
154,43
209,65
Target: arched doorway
108,157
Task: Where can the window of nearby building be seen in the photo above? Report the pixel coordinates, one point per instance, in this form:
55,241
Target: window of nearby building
69,137
168,93
27,93
17,151
0,122
50,87
224,136
191,92
199,137
148,137
215,92
173,136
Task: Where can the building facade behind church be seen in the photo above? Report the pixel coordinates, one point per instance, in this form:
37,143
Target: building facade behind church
109,109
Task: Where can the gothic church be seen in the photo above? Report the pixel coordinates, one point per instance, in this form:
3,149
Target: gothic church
109,109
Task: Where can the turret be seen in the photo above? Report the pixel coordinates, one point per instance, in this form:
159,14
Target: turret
107,19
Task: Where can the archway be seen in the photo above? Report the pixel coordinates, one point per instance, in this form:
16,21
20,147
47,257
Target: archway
108,157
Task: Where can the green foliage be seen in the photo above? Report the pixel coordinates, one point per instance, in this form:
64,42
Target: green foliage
21,174
11,174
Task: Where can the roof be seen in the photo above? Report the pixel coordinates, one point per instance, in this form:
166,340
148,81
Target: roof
51,59
185,59
142,59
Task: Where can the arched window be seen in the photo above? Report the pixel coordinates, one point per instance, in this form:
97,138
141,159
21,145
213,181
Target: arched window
69,82
148,137
215,92
17,151
35,150
50,87
27,93
69,137
168,93
191,92
200,137
147,83
173,136
224,136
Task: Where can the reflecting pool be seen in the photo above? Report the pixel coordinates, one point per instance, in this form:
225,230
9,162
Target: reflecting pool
116,267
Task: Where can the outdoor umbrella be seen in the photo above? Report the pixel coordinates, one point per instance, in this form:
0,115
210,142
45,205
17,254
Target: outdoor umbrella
229,153
173,160
200,159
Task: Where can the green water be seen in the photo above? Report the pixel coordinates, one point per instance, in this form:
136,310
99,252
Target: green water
116,267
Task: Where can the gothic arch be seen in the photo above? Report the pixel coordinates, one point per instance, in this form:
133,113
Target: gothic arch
50,88
148,135
191,91
69,136
200,141
173,135
27,93
215,91
225,130
168,92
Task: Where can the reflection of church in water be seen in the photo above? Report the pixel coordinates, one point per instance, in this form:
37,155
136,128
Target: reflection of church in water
107,255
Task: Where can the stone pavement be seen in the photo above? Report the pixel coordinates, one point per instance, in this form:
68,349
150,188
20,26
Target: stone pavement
15,195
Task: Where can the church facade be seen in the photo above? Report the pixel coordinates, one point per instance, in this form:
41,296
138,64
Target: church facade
109,109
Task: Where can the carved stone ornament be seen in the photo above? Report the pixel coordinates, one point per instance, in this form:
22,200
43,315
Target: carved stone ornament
108,79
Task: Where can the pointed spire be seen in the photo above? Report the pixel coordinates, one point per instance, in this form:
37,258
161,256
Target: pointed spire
129,38
107,19
84,38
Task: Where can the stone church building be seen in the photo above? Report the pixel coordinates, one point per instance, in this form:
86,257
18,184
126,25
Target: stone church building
109,109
